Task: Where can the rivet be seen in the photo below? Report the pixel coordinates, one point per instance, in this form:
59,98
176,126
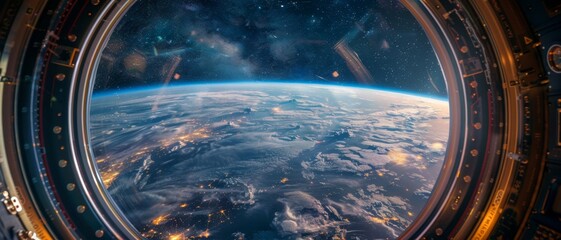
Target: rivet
81,209
455,206
477,126
99,233
439,232
72,37
62,163
70,186
95,3
467,179
474,153
60,76
57,129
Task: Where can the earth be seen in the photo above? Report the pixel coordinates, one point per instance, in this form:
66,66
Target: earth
268,160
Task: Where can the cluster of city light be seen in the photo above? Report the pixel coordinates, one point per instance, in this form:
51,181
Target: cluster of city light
192,136
110,171
383,220
157,226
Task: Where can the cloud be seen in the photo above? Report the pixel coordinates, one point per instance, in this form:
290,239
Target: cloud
303,214
202,146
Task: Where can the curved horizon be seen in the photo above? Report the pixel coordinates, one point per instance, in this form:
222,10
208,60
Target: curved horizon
114,92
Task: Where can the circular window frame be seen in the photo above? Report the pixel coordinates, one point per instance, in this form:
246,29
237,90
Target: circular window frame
485,178
444,201
550,61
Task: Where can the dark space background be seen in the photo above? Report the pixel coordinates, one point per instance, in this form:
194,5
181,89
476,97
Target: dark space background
189,41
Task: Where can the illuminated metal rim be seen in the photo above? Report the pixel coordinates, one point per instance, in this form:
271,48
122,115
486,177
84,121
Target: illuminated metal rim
456,142
52,120
552,52
475,94
460,173
494,99
81,90
65,188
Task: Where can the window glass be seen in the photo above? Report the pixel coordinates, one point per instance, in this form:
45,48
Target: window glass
269,119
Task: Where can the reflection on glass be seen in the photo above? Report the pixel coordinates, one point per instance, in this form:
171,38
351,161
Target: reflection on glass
269,120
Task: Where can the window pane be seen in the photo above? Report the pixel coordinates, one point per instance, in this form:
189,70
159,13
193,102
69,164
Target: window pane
269,119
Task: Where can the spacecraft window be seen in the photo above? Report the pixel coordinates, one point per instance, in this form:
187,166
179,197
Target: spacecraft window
554,58
268,119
